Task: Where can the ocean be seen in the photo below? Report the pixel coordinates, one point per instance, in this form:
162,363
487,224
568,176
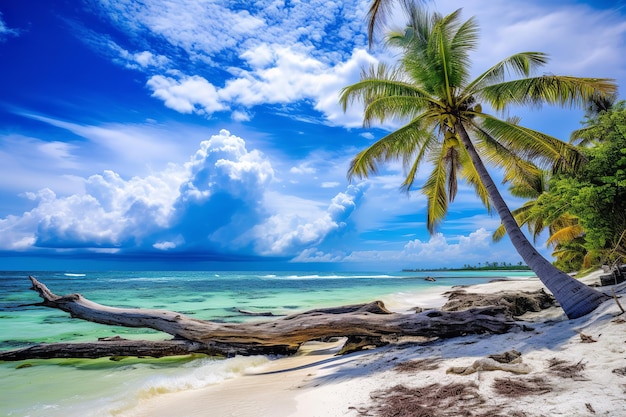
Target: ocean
104,388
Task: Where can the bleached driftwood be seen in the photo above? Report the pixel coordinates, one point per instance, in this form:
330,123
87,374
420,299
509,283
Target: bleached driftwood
371,323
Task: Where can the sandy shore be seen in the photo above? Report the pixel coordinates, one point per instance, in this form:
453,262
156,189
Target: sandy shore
566,368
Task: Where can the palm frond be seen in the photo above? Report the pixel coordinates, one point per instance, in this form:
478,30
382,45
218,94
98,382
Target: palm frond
531,187
463,42
566,234
396,145
375,80
451,159
521,64
517,169
545,150
498,234
412,162
395,108
435,189
582,137
440,55
522,217
471,177
376,16
414,36
551,89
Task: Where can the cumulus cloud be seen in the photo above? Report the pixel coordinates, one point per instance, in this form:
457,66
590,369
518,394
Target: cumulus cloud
289,229
212,202
438,250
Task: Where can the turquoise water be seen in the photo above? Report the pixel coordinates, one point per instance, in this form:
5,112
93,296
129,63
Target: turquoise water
108,388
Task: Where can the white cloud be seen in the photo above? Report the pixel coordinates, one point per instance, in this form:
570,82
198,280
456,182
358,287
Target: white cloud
170,244
437,251
289,52
213,201
145,59
288,230
310,255
183,23
186,94
279,75
303,169
241,116
232,167
438,246
62,152
114,211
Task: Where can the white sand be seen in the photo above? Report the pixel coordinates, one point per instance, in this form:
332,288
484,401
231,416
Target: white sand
316,383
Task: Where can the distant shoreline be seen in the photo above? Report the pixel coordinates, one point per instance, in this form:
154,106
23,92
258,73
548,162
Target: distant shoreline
476,268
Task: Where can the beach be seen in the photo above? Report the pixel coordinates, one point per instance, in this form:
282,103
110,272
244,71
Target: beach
566,368
104,387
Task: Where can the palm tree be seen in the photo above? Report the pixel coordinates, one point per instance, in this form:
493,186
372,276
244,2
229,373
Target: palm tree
447,128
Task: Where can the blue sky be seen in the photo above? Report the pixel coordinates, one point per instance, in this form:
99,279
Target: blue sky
207,134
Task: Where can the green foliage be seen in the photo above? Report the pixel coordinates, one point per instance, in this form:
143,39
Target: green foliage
596,194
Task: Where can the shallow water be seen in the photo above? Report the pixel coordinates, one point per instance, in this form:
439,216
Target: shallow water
107,388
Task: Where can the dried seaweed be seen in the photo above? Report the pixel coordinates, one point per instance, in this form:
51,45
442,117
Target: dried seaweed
620,371
585,338
519,387
435,400
564,369
419,365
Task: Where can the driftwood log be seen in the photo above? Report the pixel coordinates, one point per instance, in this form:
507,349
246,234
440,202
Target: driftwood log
363,324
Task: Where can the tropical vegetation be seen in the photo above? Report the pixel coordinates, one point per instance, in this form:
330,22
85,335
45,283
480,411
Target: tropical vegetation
594,195
448,132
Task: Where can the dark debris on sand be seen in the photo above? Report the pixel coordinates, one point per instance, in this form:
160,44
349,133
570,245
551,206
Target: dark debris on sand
565,369
435,400
419,365
520,387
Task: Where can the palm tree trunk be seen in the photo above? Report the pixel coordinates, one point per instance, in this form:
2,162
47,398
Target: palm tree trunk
576,298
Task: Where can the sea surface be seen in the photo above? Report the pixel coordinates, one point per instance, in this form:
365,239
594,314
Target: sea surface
103,387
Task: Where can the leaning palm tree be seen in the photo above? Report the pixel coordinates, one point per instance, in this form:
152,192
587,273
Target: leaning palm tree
447,128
